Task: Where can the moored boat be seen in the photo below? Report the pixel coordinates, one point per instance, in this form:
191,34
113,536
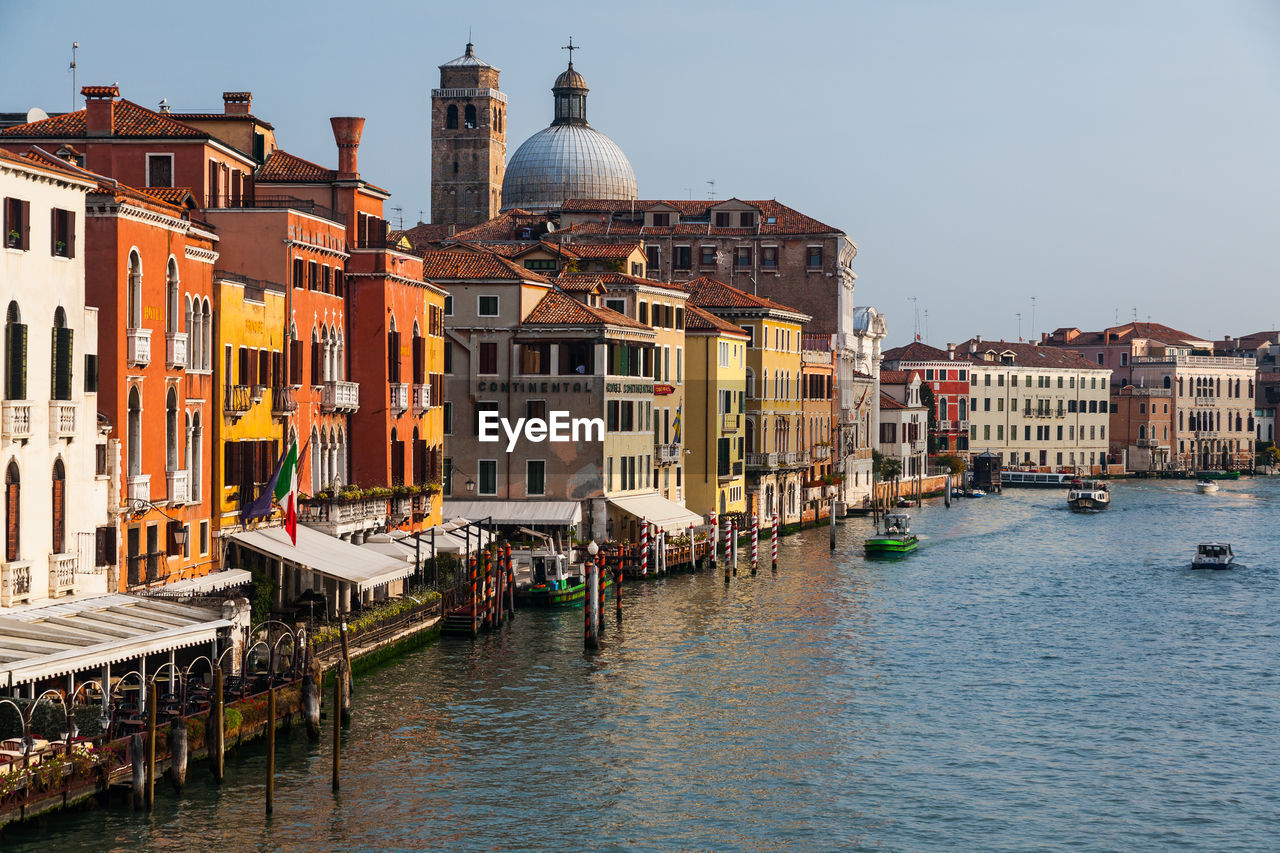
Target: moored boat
897,537
1088,495
553,583
1217,475
1213,555
1204,487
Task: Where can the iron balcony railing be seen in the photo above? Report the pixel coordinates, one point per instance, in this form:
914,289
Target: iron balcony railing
238,399
282,400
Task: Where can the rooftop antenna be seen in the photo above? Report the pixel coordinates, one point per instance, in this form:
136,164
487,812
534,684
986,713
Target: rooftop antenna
1019,326
689,190
1033,318
916,306
399,217
75,45
711,193
926,325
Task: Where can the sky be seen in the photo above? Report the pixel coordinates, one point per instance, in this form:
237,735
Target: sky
1005,168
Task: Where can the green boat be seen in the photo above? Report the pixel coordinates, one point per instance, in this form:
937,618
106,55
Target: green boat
1217,475
896,539
554,585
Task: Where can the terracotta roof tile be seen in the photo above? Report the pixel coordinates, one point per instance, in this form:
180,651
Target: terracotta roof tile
621,279
607,251
893,377
915,351
179,196
887,402
786,220
698,320
557,308
460,265
1024,355
506,226
283,167
221,117
706,292
129,120
580,283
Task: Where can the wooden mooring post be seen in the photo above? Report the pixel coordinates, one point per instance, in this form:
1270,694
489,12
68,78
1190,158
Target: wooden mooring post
271,747
216,716
151,748
338,680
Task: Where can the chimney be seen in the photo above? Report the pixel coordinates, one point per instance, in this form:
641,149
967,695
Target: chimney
978,338
100,109
236,103
346,132
951,351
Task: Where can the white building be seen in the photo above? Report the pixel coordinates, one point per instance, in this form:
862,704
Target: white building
858,399
904,422
52,453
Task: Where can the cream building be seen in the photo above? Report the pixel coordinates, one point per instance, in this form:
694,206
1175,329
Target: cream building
713,433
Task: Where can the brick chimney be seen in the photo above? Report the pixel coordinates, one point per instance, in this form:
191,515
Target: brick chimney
346,132
237,103
100,109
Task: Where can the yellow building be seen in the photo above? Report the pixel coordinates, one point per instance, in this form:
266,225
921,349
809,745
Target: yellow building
776,457
713,428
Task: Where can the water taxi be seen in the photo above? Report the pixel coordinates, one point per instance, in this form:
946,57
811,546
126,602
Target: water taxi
1088,495
1217,475
896,539
1204,487
551,582
1213,555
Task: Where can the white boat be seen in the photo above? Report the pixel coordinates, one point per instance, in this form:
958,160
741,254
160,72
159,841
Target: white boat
977,493
1213,555
1204,487
1088,495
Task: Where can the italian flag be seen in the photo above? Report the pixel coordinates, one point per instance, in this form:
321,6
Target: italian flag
286,493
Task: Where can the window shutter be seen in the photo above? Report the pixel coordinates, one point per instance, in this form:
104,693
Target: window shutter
393,356
295,362
315,362
53,231
62,354
90,373
13,494
104,546
26,224
71,234
15,386
59,515
172,548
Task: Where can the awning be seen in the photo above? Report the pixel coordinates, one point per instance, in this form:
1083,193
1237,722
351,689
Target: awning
326,555
76,635
212,582
554,513
658,511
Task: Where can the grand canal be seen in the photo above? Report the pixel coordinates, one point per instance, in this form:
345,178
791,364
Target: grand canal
1029,679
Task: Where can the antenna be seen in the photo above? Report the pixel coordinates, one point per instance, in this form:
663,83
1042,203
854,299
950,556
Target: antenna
1019,326
75,45
711,193
926,325
916,306
689,190
399,217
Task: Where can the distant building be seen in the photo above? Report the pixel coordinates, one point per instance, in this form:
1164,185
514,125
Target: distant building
903,421
468,142
949,381
715,480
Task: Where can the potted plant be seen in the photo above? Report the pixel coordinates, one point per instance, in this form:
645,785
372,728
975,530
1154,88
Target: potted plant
13,239
60,248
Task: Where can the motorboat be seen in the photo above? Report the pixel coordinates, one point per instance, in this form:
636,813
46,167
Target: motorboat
897,537
549,580
976,493
1205,487
1213,555
1088,496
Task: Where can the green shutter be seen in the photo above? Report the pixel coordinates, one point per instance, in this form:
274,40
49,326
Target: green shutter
61,373
15,347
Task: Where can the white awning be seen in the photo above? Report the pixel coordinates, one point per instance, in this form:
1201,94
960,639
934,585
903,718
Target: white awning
658,511
78,635
212,582
326,556
553,513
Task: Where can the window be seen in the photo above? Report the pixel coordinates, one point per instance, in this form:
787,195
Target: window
769,257
63,244
707,256
661,219
159,170
487,306
747,219
17,224
535,477
12,513
448,357
535,359
654,256
813,257
642,312
15,355
619,305
535,409
469,117
682,257
488,476
481,407
541,264
488,358
451,117
448,418
448,305
742,257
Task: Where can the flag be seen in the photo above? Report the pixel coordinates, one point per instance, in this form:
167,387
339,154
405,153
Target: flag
917,336
676,425
261,506
286,490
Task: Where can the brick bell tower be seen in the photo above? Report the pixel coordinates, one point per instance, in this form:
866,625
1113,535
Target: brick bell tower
468,142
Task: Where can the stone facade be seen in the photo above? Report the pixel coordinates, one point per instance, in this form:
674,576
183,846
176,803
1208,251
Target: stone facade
468,143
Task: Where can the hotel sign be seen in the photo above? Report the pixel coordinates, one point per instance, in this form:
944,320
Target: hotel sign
663,390
627,388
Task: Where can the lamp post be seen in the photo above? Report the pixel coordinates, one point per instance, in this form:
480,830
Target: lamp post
591,633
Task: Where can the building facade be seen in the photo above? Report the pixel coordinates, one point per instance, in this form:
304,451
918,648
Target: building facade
949,382
468,142
903,422
715,476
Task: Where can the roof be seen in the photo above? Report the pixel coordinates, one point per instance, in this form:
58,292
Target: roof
422,235
283,167
621,279
1122,334
707,292
45,162
180,196
895,377
606,251
699,321
580,283
221,117
470,264
507,225
558,309
468,60
516,512
326,555
1025,355
786,220
129,120
915,351
887,402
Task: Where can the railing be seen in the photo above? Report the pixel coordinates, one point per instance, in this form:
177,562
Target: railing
663,453
145,568
421,398
279,202
282,400
1143,391
175,350
961,426
820,452
339,511
138,347
1148,442
816,343
138,487
730,423
238,399
1205,401
1206,433
177,482
16,420
62,419
793,458
944,426
918,446
399,396
340,396
62,574
15,583
1196,360
809,356
493,94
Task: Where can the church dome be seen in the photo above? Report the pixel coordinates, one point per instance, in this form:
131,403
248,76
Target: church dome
569,159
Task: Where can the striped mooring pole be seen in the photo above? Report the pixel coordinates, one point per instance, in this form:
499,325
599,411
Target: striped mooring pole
755,542
644,547
693,565
734,542
773,542
728,548
714,538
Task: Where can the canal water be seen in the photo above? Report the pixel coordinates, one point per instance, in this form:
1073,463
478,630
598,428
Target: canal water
1029,679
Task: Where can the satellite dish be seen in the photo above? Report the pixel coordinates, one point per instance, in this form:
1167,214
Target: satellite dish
36,114
551,226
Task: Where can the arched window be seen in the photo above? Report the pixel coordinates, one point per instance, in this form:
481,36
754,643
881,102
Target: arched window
325,374
171,298
470,119
61,356
451,117
1168,382
341,473
15,355
419,353
133,433
317,481
1142,432
133,307
751,384
171,432
193,332
206,333
59,508
455,167
12,512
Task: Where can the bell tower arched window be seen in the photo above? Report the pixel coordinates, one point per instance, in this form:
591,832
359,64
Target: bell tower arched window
470,117
451,117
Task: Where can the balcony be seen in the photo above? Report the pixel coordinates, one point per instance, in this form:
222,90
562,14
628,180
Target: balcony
762,460
282,401
421,398
176,481
138,347
62,419
1208,402
399,397
16,420
730,423
145,568
918,446
138,487
793,459
237,401
1148,442
62,574
338,516
1206,433
820,452
338,396
15,583
944,426
666,453
175,350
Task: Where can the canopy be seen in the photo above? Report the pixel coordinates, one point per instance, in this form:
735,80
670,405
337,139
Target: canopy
326,556
76,635
553,513
658,511
212,582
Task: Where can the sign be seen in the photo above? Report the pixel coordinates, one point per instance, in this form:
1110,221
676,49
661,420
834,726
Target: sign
664,390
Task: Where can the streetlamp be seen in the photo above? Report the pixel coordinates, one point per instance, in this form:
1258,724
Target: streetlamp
138,507
471,484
